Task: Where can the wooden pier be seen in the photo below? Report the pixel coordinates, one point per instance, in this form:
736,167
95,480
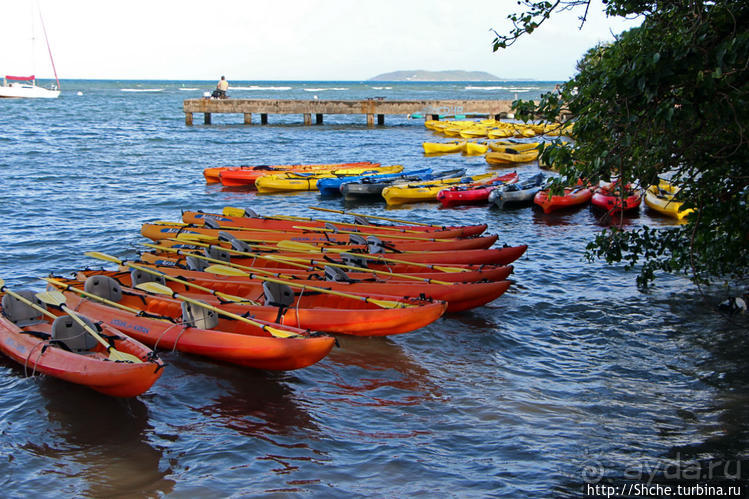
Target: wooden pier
430,109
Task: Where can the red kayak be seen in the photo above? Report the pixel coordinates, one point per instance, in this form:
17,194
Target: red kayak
473,193
229,341
610,197
197,218
36,342
572,197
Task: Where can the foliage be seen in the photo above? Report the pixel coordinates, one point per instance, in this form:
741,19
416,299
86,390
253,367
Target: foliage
669,98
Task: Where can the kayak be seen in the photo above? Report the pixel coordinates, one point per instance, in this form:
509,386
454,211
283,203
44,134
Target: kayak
442,147
507,157
364,188
517,193
609,197
332,186
459,296
229,341
43,346
472,194
572,197
493,256
512,146
281,224
661,198
461,273
311,311
475,149
425,191
157,232
300,181
213,175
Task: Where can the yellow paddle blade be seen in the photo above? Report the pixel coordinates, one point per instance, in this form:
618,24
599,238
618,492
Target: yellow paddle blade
297,246
168,222
102,256
191,236
155,288
224,270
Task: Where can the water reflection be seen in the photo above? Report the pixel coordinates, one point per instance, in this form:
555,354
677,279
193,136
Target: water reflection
106,438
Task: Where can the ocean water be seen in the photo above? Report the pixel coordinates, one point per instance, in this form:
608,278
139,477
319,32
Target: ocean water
572,376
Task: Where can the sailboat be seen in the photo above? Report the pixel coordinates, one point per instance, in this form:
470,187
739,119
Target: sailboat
25,86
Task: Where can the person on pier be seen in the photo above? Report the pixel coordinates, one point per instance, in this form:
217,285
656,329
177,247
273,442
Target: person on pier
221,87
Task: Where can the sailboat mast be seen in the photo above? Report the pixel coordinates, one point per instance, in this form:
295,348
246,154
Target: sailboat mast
49,50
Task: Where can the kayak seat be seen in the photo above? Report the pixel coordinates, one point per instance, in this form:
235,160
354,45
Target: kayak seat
21,314
236,244
194,315
217,253
67,331
137,276
336,274
104,287
194,263
277,294
354,261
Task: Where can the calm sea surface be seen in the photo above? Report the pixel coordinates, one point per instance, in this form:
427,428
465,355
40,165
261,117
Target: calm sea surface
572,375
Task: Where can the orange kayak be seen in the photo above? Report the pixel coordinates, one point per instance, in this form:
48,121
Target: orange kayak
158,232
468,273
318,312
197,218
213,175
35,347
230,341
459,296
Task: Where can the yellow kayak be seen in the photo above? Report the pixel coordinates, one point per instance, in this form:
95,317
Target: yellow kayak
661,198
442,147
424,191
509,158
475,149
289,181
515,146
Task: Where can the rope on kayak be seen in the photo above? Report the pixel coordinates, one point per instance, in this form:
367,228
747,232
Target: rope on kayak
41,352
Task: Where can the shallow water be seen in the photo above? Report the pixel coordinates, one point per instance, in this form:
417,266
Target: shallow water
571,374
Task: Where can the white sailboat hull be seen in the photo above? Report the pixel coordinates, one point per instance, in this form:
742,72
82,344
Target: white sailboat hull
24,90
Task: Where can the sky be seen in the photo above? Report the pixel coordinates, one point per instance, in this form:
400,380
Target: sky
287,39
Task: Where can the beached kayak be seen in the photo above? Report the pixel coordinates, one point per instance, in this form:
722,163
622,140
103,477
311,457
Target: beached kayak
293,181
518,193
508,158
332,186
213,175
572,197
425,191
443,147
662,198
459,296
208,335
62,349
609,197
512,147
367,188
472,194
283,223
388,242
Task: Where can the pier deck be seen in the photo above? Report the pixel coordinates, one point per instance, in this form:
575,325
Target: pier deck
430,109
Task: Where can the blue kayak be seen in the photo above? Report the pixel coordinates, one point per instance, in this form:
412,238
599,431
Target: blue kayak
332,186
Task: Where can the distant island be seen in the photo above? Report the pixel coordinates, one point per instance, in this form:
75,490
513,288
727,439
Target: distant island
419,75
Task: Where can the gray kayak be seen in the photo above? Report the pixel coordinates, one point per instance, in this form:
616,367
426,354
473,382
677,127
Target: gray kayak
518,193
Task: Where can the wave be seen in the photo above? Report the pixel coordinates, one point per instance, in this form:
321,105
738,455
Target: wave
382,88
185,88
142,89
511,89
257,87
321,89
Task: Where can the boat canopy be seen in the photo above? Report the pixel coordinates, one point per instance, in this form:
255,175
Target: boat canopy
20,78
